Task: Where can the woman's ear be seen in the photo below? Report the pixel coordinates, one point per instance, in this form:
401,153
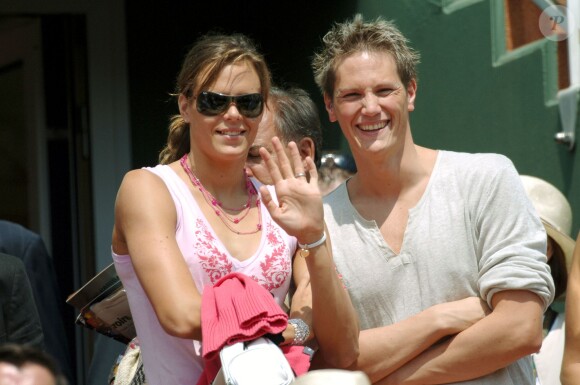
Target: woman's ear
183,103
328,103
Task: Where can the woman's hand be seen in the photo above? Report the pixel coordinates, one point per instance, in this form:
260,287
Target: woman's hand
299,208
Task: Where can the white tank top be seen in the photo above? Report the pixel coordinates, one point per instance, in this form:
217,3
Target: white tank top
169,360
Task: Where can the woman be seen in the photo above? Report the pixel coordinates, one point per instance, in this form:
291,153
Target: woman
197,217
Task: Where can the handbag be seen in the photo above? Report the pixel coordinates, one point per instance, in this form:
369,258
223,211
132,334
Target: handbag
257,362
129,371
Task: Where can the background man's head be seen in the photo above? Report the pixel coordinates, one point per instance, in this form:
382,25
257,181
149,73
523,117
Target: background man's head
21,364
291,115
335,168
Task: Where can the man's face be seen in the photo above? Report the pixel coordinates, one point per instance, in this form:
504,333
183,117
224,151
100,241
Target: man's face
9,374
370,102
28,374
266,131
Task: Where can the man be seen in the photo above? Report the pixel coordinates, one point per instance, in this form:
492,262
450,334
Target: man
21,364
29,247
335,168
416,228
19,320
291,115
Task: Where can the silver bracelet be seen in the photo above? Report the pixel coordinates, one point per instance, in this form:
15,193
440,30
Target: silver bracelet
304,248
301,331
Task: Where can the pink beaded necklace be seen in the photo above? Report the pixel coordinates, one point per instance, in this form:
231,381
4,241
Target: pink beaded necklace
218,207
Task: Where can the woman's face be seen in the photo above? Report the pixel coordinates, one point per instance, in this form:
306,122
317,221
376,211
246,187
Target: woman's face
225,135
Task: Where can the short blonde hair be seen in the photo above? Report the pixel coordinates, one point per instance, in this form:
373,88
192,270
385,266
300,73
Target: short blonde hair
356,35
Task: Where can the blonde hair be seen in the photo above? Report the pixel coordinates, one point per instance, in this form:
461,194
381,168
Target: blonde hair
201,66
356,35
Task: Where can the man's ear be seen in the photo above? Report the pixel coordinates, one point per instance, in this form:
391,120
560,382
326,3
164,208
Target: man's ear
183,103
411,93
328,103
306,148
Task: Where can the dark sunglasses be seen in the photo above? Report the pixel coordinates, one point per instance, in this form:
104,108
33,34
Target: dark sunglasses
342,161
212,104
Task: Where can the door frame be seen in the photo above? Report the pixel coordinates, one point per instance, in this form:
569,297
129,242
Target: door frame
108,103
21,42
108,126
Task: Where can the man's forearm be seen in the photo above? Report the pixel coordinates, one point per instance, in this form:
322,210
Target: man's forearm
385,349
570,374
513,330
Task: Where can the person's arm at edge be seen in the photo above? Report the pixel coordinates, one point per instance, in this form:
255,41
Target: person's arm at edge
512,331
145,228
571,361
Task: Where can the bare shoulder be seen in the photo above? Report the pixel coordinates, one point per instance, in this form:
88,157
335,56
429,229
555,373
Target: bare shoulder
143,190
143,207
141,182
139,177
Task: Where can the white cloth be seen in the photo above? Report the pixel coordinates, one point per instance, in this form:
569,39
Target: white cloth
548,360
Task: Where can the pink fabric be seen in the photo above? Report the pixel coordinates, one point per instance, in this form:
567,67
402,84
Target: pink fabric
298,360
238,309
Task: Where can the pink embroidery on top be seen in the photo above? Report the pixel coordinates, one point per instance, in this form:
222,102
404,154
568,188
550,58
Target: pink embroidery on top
275,263
213,261
276,267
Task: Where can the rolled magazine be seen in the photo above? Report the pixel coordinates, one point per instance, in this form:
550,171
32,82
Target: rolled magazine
103,306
